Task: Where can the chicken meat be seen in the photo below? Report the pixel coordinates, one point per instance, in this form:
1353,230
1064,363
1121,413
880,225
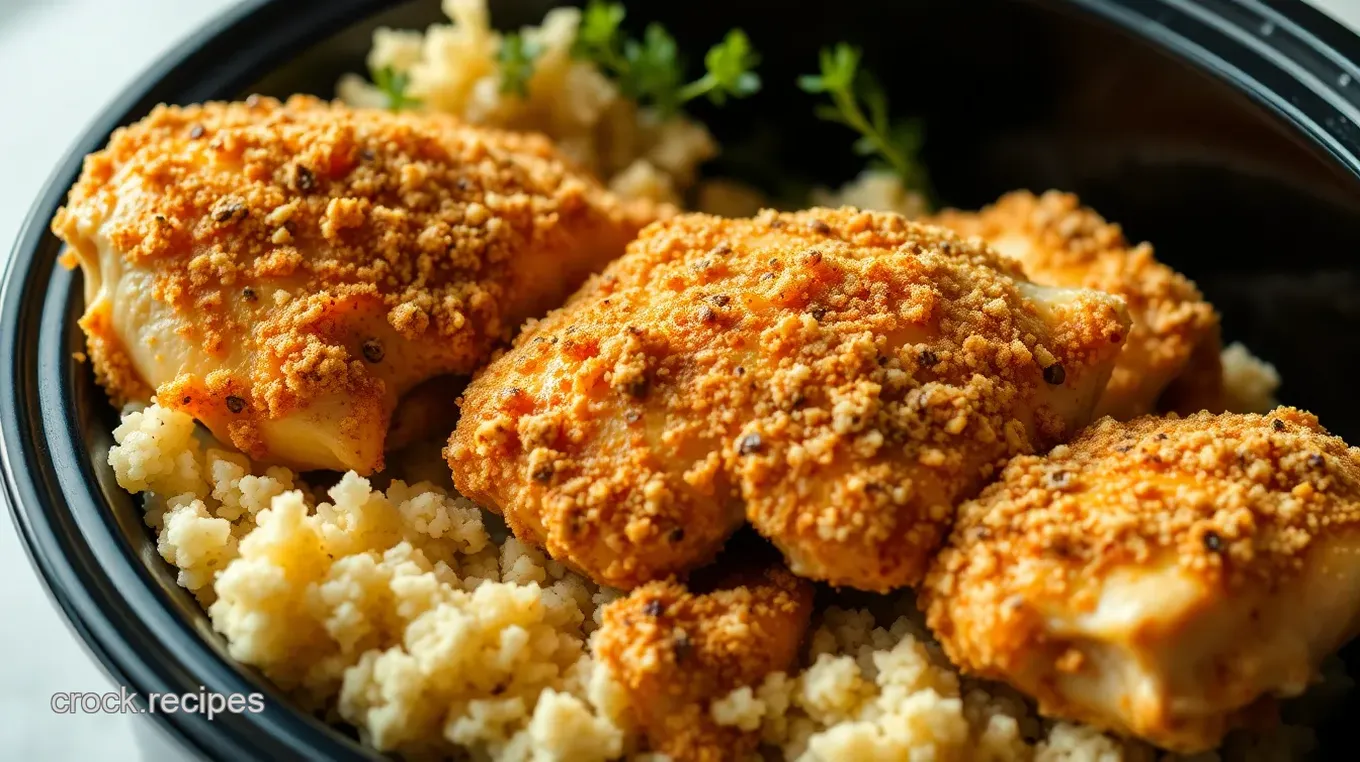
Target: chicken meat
839,378
1164,578
675,648
1175,337
285,272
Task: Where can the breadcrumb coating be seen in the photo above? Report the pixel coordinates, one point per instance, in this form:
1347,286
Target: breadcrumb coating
675,650
1062,243
1159,577
840,378
285,271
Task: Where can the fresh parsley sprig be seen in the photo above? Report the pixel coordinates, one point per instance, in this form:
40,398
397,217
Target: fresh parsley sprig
651,70
859,102
599,38
516,58
393,83
730,71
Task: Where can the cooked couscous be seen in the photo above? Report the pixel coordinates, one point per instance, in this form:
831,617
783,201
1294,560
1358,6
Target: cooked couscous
397,611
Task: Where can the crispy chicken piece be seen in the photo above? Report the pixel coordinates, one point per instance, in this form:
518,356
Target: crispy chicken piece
1059,242
285,272
1159,578
839,378
675,649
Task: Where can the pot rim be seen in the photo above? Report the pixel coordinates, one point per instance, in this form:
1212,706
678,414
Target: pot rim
1288,57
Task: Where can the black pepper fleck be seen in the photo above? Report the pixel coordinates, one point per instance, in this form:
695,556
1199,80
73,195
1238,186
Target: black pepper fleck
720,299
929,358
303,179
1277,424
821,228
683,646
750,443
367,154
235,404
230,211
653,608
543,474
1055,374
373,350
632,416
186,400
1316,461
637,387
196,132
1212,542
818,313
677,534
249,294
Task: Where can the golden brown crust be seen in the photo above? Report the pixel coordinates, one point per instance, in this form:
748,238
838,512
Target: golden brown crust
840,377
1059,242
1234,505
275,229
675,651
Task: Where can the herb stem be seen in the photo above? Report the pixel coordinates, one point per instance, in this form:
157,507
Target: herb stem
855,119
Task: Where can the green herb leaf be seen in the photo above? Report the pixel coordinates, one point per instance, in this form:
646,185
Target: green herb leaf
730,71
516,58
859,102
839,66
651,70
598,37
393,84
653,74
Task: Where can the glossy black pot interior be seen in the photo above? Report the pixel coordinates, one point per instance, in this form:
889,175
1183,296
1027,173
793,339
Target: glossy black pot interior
1224,132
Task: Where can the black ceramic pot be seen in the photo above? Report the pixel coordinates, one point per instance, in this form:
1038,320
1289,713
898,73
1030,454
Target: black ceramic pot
1225,131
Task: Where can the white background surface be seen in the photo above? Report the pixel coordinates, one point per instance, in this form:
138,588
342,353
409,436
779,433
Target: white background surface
61,61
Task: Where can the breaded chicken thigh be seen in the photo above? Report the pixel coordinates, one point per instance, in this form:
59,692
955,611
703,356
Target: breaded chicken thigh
286,272
1161,577
839,378
676,648
1059,242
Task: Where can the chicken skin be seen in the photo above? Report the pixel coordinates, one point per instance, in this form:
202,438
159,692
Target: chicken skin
285,272
675,649
1161,578
839,378
1058,242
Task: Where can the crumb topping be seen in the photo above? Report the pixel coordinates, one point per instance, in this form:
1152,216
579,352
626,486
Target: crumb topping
675,650
841,377
274,229
1059,242
1237,499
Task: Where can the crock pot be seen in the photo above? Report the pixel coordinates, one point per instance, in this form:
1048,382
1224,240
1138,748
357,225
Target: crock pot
1227,132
